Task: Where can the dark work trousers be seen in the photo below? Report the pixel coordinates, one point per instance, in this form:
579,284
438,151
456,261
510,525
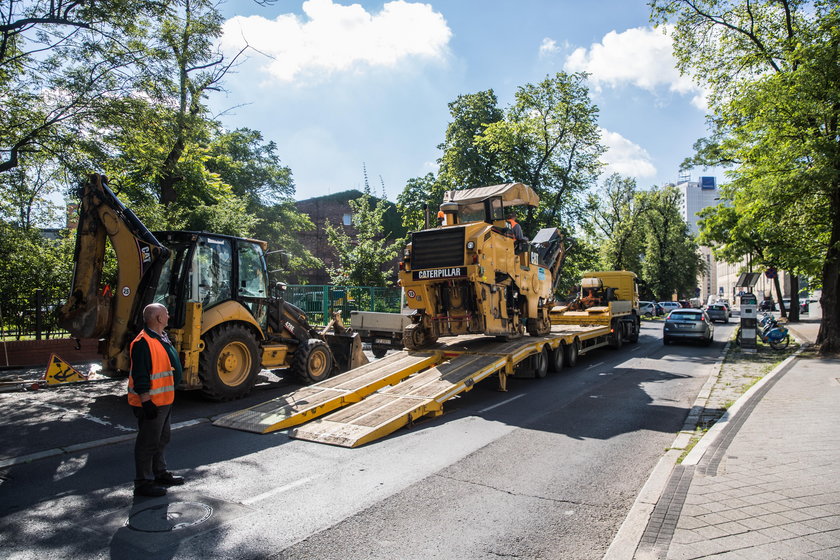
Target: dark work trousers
152,437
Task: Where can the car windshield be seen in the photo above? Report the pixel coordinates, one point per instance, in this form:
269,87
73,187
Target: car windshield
715,307
683,316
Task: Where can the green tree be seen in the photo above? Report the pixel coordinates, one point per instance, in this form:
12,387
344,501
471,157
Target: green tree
465,163
362,257
421,196
549,140
671,260
616,211
772,69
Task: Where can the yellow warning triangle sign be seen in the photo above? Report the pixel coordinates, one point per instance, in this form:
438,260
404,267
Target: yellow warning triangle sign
59,371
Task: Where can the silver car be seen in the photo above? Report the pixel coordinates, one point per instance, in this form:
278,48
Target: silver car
688,324
717,312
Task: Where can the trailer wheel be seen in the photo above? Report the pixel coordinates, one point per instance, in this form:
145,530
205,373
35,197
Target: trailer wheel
555,362
313,361
229,363
572,351
539,362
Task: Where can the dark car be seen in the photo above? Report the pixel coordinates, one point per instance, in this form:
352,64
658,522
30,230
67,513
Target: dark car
767,305
717,312
688,324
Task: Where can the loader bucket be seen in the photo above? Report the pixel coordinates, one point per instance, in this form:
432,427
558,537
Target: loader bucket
347,350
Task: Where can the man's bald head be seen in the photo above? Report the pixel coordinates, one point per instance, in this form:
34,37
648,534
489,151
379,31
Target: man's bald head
155,316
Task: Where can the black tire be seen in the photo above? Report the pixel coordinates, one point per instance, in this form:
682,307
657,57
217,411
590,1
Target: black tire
539,362
666,341
633,337
556,359
617,337
229,364
313,361
571,351
379,351
781,344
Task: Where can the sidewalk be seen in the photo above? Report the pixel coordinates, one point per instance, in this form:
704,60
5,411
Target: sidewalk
763,483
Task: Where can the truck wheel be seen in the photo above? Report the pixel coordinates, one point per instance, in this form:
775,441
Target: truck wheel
571,353
313,361
555,361
633,337
415,337
379,351
229,363
617,337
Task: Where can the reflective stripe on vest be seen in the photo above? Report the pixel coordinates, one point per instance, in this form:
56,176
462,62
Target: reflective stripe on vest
162,388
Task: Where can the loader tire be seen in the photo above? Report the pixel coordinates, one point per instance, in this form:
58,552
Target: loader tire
229,363
313,361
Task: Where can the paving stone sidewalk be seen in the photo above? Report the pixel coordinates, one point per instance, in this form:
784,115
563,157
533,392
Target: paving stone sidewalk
765,485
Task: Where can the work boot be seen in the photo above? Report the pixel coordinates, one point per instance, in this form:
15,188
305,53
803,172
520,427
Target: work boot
149,489
169,479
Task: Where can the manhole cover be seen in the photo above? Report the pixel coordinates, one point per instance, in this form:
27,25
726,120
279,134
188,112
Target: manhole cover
170,517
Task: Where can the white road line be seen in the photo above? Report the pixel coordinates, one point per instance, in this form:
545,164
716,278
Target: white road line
501,403
595,365
275,491
635,347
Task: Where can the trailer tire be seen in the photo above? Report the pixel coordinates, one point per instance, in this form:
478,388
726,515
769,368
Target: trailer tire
540,363
555,362
313,361
572,351
229,363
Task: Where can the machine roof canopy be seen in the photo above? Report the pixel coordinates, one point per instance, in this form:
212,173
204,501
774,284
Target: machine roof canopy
512,194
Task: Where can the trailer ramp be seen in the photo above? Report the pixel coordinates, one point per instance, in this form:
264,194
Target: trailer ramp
390,409
307,403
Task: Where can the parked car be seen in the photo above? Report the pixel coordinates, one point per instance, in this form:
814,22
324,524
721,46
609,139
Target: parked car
650,308
717,312
767,305
669,306
803,305
688,324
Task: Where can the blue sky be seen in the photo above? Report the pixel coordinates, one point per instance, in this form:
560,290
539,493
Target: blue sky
337,84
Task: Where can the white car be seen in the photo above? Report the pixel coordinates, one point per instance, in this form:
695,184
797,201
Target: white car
647,308
669,306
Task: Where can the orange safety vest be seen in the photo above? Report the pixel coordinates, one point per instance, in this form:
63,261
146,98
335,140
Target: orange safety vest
163,381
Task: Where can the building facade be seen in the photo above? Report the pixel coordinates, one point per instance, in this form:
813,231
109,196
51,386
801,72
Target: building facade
697,195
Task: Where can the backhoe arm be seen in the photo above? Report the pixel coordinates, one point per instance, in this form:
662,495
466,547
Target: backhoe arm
90,313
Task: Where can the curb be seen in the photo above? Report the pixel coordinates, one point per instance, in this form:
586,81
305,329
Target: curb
75,448
626,542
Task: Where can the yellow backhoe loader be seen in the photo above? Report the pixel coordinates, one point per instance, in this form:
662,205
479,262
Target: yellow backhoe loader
223,321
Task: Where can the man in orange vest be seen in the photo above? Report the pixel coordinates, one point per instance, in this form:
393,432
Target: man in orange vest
155,372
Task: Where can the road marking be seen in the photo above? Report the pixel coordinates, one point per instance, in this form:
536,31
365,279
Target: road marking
501,403
275,491
636,347
595,365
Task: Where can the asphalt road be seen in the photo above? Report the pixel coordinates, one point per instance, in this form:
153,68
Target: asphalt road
547,470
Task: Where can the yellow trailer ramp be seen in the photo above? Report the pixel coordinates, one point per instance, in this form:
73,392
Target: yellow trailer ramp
392,408
307,403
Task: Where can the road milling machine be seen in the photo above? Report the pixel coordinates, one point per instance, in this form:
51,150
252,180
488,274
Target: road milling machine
223,322
470,275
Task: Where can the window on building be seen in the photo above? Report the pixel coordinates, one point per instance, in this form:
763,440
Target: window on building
347,219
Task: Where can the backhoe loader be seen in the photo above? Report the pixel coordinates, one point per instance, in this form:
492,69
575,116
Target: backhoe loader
223,321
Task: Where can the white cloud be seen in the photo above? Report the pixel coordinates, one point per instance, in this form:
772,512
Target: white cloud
548,47
641,56
625,157
334,38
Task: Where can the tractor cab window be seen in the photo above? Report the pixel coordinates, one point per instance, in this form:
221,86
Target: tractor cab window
252,281
211,273
494,211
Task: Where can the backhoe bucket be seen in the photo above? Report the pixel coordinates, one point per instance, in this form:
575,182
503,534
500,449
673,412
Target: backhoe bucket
347,350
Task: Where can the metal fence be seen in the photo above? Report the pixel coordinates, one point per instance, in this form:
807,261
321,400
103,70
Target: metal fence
319,301
35,318
30,318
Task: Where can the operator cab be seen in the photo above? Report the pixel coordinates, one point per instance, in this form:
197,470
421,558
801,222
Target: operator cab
211,269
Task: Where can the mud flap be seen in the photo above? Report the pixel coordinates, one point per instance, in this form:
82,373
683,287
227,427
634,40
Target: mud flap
347,350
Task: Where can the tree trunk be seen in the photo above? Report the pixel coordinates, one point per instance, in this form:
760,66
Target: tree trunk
793,312
779,294
829,335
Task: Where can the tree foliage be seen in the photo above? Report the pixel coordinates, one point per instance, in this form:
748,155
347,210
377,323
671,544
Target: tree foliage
772,69
617,211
